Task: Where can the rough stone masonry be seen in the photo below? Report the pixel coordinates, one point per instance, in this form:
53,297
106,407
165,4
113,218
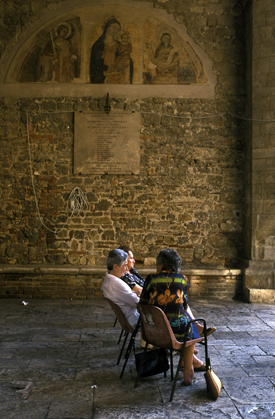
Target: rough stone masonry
190,193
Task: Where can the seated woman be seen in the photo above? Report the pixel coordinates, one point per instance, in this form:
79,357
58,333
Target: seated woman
131,276
117,290
167,289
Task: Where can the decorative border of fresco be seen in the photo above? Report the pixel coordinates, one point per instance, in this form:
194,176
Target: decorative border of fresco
126,49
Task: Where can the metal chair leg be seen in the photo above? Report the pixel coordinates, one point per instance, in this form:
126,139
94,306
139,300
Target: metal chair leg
171,364
129,348
178,368
120,336
122,349
182,353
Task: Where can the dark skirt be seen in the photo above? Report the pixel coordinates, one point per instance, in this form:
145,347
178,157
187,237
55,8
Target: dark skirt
179,327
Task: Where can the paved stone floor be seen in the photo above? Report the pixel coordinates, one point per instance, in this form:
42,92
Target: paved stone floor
58,361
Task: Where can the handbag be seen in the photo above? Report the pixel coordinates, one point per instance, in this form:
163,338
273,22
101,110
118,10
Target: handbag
213,383
155,362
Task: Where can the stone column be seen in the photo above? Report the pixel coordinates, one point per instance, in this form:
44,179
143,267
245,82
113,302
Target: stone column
260,152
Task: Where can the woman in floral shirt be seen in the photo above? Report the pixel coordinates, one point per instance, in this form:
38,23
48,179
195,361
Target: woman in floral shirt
167,289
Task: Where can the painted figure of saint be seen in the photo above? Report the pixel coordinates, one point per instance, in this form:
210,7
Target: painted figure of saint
165,60
56,61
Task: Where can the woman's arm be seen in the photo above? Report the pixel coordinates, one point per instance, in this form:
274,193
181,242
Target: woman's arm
137,290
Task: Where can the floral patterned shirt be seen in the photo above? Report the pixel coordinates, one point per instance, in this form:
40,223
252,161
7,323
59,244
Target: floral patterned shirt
168,291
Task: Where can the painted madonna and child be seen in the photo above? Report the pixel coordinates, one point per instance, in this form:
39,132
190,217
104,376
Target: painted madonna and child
112,61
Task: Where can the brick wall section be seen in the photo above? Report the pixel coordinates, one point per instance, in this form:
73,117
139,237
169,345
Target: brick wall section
79,284
49,286
190,191
189,194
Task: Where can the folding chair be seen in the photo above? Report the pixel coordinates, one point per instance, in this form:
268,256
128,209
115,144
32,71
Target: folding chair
121,332
156,329
127,329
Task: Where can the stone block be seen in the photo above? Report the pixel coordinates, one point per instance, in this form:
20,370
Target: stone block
259,296
268,191
258,165
269,206
149,261
266,222
257,193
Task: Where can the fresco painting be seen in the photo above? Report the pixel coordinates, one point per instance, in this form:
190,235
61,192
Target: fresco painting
111,50
111,60
168,57
54,55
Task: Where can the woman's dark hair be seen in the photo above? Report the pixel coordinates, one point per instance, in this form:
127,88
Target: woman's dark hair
125,248
116,257
170,260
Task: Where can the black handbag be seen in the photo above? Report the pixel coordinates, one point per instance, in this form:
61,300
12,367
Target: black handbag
155,362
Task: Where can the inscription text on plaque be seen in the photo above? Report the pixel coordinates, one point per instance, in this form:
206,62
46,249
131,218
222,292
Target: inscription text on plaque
107,143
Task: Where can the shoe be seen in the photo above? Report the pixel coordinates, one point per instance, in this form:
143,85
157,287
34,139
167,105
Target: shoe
209,331
189,383
201,368
149,346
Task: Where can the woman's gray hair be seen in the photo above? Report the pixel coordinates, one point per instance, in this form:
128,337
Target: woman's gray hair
116,257
170,260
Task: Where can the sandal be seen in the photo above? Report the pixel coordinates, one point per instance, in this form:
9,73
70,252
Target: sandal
198,369
189,383
201,368
209,331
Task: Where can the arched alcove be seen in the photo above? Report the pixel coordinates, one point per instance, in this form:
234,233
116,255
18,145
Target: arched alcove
128,49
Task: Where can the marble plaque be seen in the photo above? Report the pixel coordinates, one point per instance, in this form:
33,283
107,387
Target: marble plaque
107,143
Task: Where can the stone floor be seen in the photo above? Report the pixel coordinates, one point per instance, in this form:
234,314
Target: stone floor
58,361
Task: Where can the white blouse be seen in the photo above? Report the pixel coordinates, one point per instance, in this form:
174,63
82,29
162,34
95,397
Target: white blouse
121,294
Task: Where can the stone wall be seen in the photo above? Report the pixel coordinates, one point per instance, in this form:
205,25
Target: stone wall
189,194
263,137
259,276
65,282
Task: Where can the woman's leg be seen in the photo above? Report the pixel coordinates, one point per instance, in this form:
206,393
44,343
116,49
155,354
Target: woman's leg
188,363
196,361
199,326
